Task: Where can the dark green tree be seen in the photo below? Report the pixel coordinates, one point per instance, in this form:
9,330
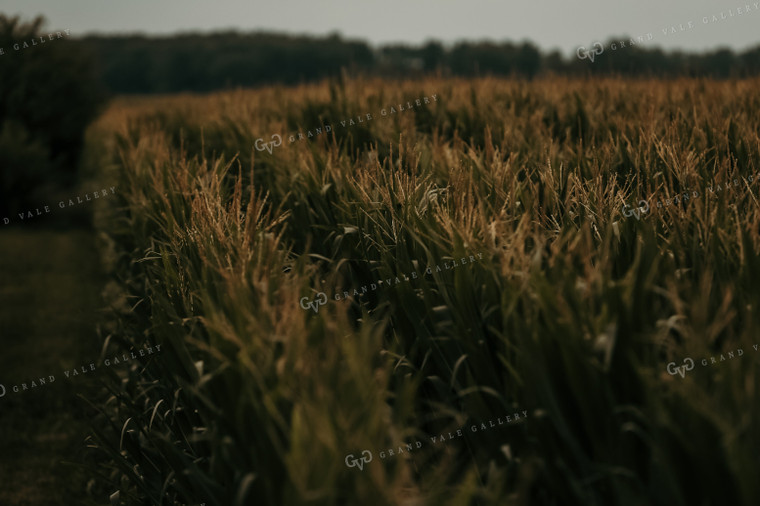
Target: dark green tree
48,96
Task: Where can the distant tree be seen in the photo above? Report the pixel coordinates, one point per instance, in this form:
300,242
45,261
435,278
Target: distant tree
528,60
432,54
47,98
554,63
721,63
750,62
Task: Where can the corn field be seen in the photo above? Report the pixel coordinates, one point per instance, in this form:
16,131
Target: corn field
575,263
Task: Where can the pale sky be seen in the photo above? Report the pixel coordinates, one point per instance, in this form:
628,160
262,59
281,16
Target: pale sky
551,24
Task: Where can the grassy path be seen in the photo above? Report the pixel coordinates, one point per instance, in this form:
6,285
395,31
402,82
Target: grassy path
49,308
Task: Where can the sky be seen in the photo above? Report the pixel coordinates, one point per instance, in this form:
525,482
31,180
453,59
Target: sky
551,24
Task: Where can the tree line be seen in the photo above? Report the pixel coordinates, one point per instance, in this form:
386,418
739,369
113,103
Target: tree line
200,63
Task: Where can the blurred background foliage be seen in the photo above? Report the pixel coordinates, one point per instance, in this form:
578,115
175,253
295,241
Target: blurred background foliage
48,95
